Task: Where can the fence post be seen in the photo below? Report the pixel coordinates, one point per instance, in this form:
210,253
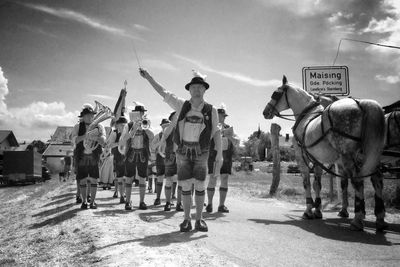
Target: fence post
276,172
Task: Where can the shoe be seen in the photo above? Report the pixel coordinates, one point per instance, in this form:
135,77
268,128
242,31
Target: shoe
89,199
179,207
150,191
84,206
185,226
201,226
104,188
223,209
109,187
93,205
167,206
209,208
121,200
128,206
157,202
115,195
142,206
78,200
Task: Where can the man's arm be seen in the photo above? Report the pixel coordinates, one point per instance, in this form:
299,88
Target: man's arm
75,138
216,134
173,101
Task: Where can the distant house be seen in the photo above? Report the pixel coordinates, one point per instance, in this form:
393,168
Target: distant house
53,155
62,135
7,141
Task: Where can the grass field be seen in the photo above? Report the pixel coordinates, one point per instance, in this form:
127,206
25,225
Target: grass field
290,188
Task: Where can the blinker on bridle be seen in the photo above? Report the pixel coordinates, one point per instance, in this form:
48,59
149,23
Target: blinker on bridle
277,95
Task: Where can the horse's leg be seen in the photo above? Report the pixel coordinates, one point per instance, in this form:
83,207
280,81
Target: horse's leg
305,173
317,190
357,223
377,182
344,183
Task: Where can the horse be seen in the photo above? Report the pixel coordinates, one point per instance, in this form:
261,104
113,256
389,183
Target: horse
392,141
348,133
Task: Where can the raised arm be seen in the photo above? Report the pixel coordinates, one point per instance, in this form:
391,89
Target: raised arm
158,87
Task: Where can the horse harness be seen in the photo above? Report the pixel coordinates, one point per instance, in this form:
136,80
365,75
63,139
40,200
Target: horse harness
300,142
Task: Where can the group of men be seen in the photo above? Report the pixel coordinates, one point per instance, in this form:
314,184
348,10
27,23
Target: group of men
194,142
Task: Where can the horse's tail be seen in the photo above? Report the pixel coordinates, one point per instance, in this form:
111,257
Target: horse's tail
373,135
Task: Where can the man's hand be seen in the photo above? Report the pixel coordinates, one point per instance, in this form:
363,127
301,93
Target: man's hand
218,164
144,73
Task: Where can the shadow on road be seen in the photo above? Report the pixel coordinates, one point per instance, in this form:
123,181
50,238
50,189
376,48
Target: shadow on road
337,229
54,210
156,216
161,240
56,220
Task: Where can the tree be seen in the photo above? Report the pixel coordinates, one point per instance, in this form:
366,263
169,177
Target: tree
256,144
39,145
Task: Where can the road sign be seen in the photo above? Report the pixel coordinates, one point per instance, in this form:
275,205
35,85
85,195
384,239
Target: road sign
332,80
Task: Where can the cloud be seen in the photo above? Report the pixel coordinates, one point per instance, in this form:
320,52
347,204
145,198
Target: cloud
35,121
231,75
101,96
37,30
391,79
141,28
81,18
158,64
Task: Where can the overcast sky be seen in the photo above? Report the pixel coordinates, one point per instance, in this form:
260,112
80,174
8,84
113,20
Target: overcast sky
57,55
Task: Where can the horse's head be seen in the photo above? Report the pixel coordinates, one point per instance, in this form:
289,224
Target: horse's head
279,100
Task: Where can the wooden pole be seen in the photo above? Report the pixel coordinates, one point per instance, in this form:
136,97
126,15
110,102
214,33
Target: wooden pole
276,172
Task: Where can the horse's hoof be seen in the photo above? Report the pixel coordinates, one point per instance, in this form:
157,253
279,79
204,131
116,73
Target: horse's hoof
343,213
381,225
308,216
356,226
317,214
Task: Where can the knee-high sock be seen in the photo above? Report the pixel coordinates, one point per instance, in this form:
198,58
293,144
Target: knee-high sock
222,195
128,191
199,199
121,186
159,186
174,184
78,189
179,194
186,201
142,188
167,189
155,182
83,186
210,194
93,191
150,185
116,185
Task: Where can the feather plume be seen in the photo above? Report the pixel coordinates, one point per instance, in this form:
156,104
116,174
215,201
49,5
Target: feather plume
196,73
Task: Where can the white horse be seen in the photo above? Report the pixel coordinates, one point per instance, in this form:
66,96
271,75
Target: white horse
349,133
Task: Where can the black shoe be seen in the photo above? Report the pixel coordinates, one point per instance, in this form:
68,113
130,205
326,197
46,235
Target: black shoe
128,206
93,205
209,208
223,209
104,188
115,194
78,200
186,226
84,206
179,207
167,206
142,206
201,226
121,200
150,190
157,202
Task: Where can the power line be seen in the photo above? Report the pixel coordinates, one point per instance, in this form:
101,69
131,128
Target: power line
361,41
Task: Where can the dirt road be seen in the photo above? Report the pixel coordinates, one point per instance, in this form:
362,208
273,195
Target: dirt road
44,226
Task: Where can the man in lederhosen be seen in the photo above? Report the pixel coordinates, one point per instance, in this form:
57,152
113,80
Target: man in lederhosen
136,141
88,159
169,148
196,124
228,148
159,161
119,162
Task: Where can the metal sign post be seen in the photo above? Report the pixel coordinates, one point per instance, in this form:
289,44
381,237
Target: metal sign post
330,80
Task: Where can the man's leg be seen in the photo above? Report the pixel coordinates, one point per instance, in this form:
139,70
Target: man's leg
121,188
186,196
78,192
93,191
83,186
159,185
179,206
174,185
211,191
142,192
167,191
223,190
128,191
200,174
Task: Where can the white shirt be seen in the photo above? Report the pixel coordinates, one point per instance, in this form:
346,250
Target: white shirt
194,122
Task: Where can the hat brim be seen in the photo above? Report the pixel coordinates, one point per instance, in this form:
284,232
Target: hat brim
206,85
83,114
